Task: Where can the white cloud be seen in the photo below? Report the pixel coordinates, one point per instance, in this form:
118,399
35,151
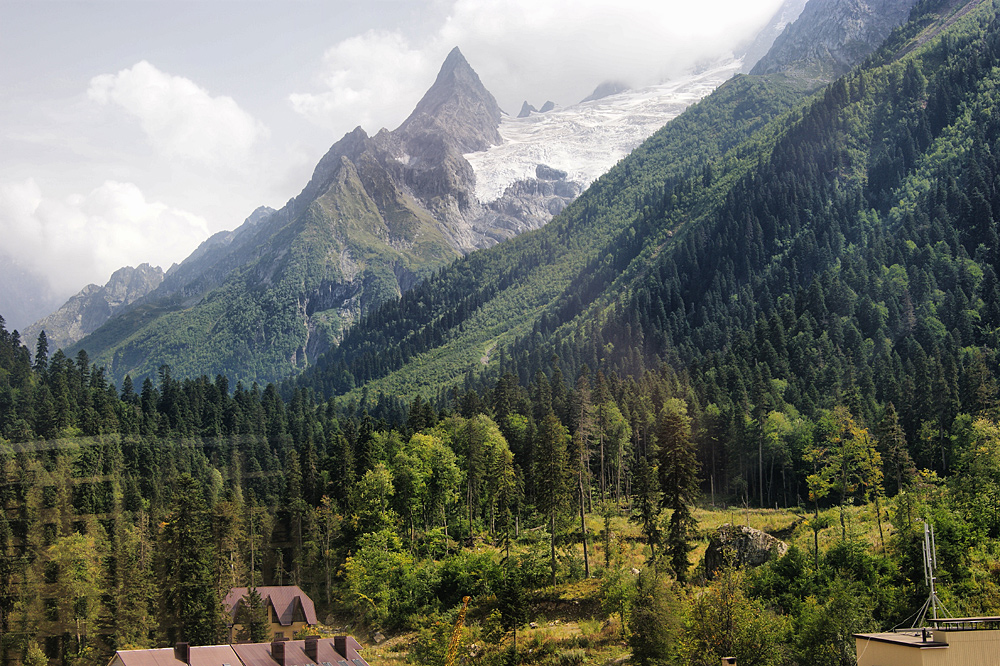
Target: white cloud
566,47
526,49
368,79
180,118
85,238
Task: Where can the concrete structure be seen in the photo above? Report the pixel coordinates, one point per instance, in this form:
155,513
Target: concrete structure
969,641
288,607
337,651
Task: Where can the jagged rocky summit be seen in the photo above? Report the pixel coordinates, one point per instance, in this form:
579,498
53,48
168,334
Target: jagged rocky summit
93,305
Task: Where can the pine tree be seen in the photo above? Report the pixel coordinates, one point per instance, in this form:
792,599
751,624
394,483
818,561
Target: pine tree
41,354
892,441
647,504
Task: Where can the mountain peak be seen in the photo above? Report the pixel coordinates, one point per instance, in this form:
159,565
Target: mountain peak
606,89
454,61
458,103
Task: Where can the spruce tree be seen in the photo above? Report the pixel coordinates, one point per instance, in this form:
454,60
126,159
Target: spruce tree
252,617
552,475
678,482
191,605
41,354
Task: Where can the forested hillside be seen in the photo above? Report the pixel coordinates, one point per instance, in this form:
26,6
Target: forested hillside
843,254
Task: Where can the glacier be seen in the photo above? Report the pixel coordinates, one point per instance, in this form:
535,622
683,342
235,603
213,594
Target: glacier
585,140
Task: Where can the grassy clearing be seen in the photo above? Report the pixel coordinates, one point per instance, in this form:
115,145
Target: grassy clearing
568,625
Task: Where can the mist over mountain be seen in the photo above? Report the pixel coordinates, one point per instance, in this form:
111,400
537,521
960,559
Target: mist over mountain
761,44
26,296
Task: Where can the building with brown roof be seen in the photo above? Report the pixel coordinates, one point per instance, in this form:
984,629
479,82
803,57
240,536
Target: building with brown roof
336,651
289,609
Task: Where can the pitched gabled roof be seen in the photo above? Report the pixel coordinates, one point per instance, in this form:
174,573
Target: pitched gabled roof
259,654
201,655
251,654
283,598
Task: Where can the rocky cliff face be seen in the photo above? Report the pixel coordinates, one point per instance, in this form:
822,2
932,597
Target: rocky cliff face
526,201
762,43
832,36
457,110
88,310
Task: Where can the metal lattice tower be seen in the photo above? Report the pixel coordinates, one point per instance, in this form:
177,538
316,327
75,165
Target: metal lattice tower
933,603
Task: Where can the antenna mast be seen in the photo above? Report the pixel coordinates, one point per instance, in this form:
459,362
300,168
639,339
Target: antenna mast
933,603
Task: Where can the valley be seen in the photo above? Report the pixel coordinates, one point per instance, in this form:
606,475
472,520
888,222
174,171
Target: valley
498,390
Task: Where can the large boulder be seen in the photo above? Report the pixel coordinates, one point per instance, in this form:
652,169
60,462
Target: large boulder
741,545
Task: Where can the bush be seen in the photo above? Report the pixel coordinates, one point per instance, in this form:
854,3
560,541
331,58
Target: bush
654,625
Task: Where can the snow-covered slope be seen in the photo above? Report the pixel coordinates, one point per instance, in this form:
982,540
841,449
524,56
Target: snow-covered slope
587,139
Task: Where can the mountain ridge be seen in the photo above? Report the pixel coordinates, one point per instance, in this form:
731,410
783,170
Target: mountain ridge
379,215
379,212
832,36
87,310
556,287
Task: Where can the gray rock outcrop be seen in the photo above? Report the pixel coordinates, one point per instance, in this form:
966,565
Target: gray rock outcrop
606,89
741,545
526,110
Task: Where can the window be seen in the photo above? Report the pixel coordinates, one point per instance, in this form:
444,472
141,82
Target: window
298,614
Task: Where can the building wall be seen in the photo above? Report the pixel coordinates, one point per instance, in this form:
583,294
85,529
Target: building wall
965,648
277,630
971,648
877,653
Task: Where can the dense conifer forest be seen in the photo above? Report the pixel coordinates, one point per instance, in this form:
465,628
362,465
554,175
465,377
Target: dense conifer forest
795,311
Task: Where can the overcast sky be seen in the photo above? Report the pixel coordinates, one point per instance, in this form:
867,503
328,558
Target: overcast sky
130,131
